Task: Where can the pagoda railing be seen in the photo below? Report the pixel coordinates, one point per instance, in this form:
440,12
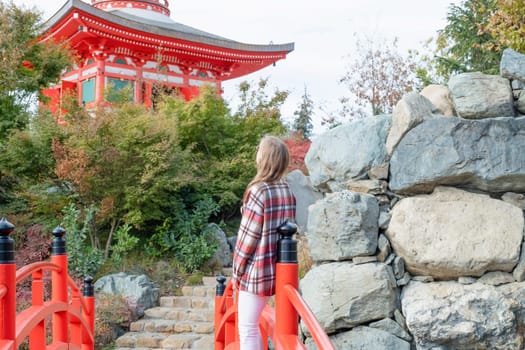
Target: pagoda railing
279,323
70,313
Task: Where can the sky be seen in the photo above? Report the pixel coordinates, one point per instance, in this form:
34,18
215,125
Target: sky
323,33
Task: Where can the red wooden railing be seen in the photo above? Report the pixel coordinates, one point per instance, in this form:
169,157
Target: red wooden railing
280,324
72,315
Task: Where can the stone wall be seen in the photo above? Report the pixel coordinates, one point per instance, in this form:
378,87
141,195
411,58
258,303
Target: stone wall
417,239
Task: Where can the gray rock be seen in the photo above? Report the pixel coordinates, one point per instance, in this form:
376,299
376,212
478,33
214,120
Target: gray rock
456,316
495,278
305,196
343,225
410,111
520,103
403,281
452,233
223,255
516,199
512,65
392,327
343,295
384,220
478,96
363,259
467,280
384,248
365,338
519,270
424,279
140,292
517,84
440,97
347,152
486,154
398,266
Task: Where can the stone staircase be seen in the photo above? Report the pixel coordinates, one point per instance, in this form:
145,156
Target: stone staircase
180,322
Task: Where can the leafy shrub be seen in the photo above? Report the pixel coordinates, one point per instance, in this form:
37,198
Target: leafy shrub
83,258
124,242
187,236
112,318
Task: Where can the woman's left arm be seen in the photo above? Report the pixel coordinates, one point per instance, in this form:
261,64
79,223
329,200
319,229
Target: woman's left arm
249,234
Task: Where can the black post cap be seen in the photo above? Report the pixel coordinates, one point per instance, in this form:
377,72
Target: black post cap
288,229
89,288
58,246
6,227
221,286
286,246
7,244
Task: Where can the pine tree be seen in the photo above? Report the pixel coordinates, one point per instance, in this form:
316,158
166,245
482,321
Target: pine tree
303,122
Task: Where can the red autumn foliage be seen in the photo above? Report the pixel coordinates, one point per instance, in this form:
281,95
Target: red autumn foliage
298,146
33,245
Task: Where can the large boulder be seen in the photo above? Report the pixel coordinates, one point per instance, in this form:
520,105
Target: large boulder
486,154
512,65
449,315
344,295
364,338
454,233
305,196
440,97
223,256
343,225
141,293
410,111
347,152
478,96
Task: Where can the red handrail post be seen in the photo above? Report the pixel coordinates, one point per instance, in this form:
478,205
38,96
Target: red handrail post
219,313
8,281
88,313
75,326
37,338
59,282
287,273
231,333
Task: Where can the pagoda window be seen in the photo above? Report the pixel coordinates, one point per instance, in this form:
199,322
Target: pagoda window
120,90
121,61
88,90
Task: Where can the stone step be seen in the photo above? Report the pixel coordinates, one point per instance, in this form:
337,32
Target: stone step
199,291
152,340
180,314
187,302
180,322
171,326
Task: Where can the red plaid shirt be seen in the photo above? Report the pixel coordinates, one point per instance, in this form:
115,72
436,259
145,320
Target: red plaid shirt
266,207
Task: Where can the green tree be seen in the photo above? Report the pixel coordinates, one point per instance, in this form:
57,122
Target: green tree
26,65
27,153
377,77
256,102
223,144
303,121
126,161
463,45
505,24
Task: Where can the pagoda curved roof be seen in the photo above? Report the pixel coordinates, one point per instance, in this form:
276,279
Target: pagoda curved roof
169,29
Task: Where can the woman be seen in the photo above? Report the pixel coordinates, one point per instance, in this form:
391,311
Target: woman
268,203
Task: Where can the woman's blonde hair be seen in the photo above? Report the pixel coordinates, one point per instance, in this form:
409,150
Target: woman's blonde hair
272,160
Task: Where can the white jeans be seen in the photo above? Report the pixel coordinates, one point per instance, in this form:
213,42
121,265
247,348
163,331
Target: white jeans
250,307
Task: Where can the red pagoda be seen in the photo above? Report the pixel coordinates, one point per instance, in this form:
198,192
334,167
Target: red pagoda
136,46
